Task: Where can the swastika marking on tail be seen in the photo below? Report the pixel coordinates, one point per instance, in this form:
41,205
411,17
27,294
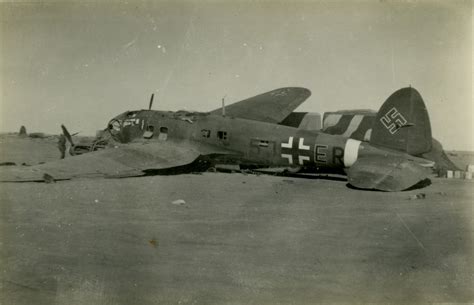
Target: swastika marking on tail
393,120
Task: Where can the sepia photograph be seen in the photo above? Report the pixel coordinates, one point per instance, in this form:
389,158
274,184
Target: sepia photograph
236,152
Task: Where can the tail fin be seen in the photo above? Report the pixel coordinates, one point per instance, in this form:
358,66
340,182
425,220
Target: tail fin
403,124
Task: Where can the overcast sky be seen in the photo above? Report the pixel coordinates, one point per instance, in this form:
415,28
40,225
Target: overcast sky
82,63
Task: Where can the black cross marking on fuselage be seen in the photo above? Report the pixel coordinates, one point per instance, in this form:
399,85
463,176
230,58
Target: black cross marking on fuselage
296,151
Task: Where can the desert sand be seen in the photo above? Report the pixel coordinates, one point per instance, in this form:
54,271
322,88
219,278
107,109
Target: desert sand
217,238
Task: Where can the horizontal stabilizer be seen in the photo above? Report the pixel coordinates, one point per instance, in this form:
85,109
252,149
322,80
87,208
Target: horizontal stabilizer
438,155
386,173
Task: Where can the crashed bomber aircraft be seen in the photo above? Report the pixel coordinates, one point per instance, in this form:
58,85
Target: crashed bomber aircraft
247,133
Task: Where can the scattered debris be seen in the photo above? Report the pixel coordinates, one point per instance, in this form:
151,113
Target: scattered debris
442,193
7,164
179,202
227,168
153,242
417,196
96,201
48,178
246,172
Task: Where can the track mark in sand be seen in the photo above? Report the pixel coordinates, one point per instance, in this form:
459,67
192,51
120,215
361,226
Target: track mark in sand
412,234
21,285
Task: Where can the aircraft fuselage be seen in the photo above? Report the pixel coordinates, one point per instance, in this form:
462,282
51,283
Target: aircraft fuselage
254,142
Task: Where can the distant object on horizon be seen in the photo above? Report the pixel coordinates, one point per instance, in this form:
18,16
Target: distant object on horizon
22,131
35,135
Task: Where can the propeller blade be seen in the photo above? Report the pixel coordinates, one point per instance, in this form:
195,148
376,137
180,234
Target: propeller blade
151,101
67,134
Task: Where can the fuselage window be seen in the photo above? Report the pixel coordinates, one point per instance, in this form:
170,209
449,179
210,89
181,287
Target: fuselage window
163,134
222,135
263,143
205,133
149,132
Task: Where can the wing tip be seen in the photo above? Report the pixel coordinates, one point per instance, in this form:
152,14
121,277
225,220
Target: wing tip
300,91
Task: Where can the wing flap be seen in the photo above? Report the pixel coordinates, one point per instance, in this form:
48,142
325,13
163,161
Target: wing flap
386,173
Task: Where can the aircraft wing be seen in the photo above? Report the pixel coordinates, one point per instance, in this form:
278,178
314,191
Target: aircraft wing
386,173
129,160
271,107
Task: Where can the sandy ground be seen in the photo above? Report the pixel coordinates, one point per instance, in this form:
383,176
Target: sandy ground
237,239
27,150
